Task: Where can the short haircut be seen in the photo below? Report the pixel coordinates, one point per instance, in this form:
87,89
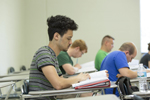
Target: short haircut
80,43
149,46
128,46
105,38
60,24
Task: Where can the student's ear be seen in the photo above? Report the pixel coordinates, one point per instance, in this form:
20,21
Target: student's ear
77,48
126,52
56,36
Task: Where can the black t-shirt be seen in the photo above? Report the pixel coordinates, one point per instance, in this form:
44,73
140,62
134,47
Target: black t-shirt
145,59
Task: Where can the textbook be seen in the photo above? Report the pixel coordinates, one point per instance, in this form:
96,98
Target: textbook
98,79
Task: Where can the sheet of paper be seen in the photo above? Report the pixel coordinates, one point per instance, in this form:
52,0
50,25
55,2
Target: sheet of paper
87,67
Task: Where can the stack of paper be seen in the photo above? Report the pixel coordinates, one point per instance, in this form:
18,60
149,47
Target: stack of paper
134,64
87,67
98,79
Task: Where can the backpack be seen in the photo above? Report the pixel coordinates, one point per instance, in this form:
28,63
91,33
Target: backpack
125,86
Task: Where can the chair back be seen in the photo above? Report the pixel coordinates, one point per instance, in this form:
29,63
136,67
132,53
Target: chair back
25,87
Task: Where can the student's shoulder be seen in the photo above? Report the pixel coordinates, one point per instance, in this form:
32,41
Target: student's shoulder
62,53
44,49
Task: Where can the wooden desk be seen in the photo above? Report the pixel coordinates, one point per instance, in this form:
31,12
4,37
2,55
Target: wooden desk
102,97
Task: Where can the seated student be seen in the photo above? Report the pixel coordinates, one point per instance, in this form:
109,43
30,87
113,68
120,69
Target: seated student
146,58
76,50
117,63
106,46
44,71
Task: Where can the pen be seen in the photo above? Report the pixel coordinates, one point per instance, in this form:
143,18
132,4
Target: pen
77,61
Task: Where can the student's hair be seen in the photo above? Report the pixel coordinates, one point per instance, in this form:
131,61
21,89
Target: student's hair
128,46
80,43
149,46
60,24
106,38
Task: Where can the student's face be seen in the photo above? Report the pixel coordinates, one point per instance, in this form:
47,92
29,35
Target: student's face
66,40
78,53
130,57
110,45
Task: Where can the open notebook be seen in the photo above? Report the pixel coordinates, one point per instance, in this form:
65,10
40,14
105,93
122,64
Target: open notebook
98,79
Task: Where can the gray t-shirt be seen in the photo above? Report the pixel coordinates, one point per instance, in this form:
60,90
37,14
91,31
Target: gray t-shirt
37,81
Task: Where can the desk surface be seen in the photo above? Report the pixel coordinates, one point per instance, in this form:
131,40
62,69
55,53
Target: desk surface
68,90
136,79
14,78
101,97
16,74
4,84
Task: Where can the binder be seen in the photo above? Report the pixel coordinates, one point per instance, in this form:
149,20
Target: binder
104,83
98,79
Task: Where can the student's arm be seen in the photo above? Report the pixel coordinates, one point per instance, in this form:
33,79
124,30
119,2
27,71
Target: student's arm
127,72
148,64
59,82
69,69
77,66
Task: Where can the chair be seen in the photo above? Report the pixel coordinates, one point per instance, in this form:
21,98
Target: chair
11,70
25,87
23,68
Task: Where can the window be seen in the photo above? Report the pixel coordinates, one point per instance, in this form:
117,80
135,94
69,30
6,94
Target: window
145,24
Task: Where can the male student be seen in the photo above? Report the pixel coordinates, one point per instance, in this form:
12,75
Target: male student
44,72
76,50
117,63
106,45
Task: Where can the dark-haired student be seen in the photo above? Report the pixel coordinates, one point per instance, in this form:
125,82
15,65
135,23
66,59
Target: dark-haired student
44,71
146,58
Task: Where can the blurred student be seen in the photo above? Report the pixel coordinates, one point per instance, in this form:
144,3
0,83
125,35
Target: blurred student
146,58
76,50
106,45
117,63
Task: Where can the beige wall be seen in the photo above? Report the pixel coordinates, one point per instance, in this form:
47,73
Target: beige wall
11,34
97,18
23,26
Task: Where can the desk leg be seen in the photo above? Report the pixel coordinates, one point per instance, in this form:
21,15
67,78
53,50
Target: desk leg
0,92
78,95
119,91
103,91
9,92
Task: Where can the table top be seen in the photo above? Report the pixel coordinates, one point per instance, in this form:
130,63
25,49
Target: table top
14,78
4,84
16,74
101,97
68,90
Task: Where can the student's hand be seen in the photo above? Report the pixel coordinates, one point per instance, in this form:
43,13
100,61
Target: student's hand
83,76
78,66
147,70
107,73
118,75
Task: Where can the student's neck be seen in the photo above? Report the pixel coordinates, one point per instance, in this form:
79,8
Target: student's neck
69,51
149,52
54,47
103,48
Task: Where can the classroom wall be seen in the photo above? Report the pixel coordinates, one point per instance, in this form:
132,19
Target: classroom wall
11,35
23,26
96,18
